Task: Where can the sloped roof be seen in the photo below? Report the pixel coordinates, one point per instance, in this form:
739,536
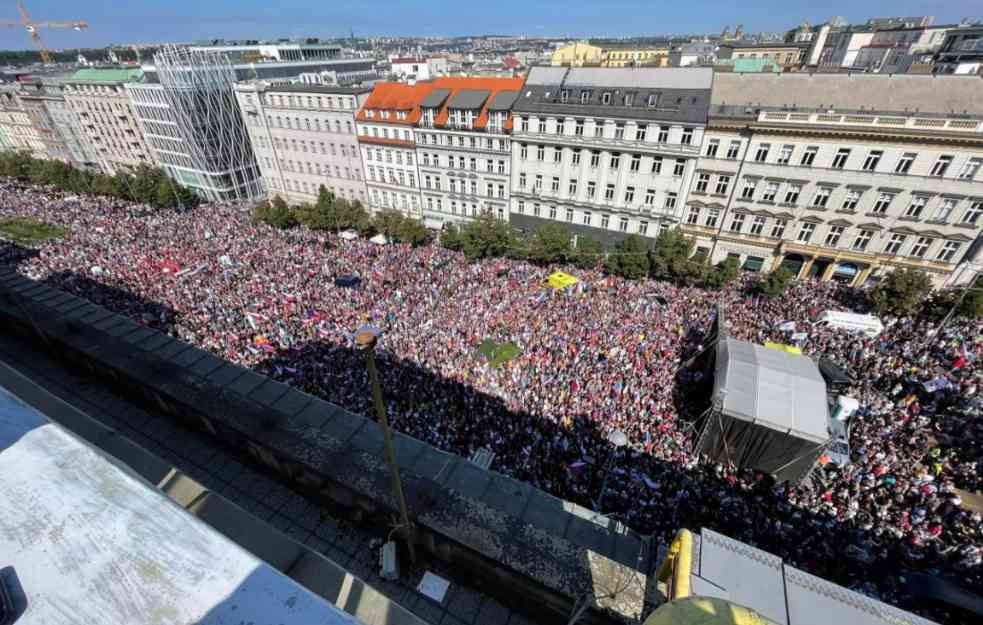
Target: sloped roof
396,96
108,75
503,101
436,98
775,389
470,89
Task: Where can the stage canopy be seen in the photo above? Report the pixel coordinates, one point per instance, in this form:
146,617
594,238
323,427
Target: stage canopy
560,280
769,410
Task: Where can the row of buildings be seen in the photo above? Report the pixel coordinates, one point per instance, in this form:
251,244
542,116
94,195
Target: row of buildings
889,45
838,176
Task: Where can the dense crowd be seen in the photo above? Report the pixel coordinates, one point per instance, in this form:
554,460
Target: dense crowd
607,354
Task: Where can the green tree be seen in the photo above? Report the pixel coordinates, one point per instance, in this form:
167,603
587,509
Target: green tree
774,283
322,215
901,292
588,253
351,215
721,274
388,222
275,213
451,239
550,244
671,256
486,236
630,258
413,232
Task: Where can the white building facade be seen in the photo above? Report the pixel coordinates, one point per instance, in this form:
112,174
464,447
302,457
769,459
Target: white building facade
608,152
303,137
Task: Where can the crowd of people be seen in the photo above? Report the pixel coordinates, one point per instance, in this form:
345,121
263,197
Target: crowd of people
605,355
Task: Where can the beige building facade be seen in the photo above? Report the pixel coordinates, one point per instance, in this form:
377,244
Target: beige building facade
577,54
646,56
17,129
100,100
303,137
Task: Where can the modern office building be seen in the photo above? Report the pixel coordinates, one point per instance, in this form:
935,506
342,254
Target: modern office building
191,118
99,100
840,176
463,148
303,137
386,136
606,151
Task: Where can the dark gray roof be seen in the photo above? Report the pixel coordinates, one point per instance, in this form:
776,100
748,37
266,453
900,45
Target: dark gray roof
470,99
435,98
304,88
503,100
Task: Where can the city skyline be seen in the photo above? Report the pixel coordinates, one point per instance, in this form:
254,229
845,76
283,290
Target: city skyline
157,21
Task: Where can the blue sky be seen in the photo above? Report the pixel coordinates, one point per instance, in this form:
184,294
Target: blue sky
129,21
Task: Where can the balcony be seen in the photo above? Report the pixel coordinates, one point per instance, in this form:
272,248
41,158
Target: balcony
847,120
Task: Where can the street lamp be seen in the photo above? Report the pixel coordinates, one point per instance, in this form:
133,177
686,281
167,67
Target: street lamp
366,338
618,439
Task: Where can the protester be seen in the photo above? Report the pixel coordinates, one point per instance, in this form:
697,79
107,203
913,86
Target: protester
604,355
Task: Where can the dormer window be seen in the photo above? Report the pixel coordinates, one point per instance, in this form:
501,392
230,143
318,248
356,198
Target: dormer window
401,115
584,97
429,115
564,95
606,97
653,99
385,115
369,113
629,99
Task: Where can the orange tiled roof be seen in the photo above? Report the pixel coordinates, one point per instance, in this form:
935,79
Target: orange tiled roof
396,96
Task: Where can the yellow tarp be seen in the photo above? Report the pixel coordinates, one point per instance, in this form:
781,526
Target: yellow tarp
784,348
560,280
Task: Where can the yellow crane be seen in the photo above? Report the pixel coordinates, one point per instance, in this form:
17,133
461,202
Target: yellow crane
32,27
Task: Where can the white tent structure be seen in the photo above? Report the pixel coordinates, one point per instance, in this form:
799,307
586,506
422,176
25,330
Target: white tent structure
769,411
379,239
348,235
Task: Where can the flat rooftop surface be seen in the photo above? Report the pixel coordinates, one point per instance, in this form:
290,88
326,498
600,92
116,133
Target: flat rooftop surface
89,543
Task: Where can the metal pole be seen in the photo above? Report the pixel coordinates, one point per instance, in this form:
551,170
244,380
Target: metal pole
604,482
366,341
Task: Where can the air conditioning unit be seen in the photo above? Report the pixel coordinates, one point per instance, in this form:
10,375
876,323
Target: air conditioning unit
388,562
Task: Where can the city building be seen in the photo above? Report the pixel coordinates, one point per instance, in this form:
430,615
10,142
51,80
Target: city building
190,115
68,125
696,53
303,137
463,148
841,176
17,130
249,51
111,133
418,68
34,97
577,54
882,48
653,54
785,55
961,52
606,151
385,127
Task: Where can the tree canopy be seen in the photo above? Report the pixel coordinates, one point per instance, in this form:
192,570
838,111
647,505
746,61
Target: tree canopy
901,292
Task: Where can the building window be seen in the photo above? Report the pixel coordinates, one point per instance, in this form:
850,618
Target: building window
619,132
558,155
737,223
636,162
541,153
904,163
805,232
883,203
948,251
552,212
687,138
587,218
946,207
591,190
656,164
605,221
520,207
917,205
572,187
747,192
524,124
584,97
778,230
555,187
821,197
578,128
629,195
643,228
733,149
679,168
712,215
609,192
712,146
723,182
873,158
640,132
542,126
970,169
574,158
693,216
523,153
522,180
972,214
833,236
863,238
539,182
792,194
771,190
623,224
785,155
615,161
663,134
702,182
757,225
762,154
598,129
851,200
606,97
809,156
670,201
595,158
839,161
920,247
570,214
941,166
894,245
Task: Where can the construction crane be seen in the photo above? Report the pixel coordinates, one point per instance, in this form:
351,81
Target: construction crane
32,27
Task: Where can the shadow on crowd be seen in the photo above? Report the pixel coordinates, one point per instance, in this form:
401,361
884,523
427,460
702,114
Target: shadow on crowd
569,458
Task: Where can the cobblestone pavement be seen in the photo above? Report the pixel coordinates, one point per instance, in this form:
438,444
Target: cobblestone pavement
248,486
